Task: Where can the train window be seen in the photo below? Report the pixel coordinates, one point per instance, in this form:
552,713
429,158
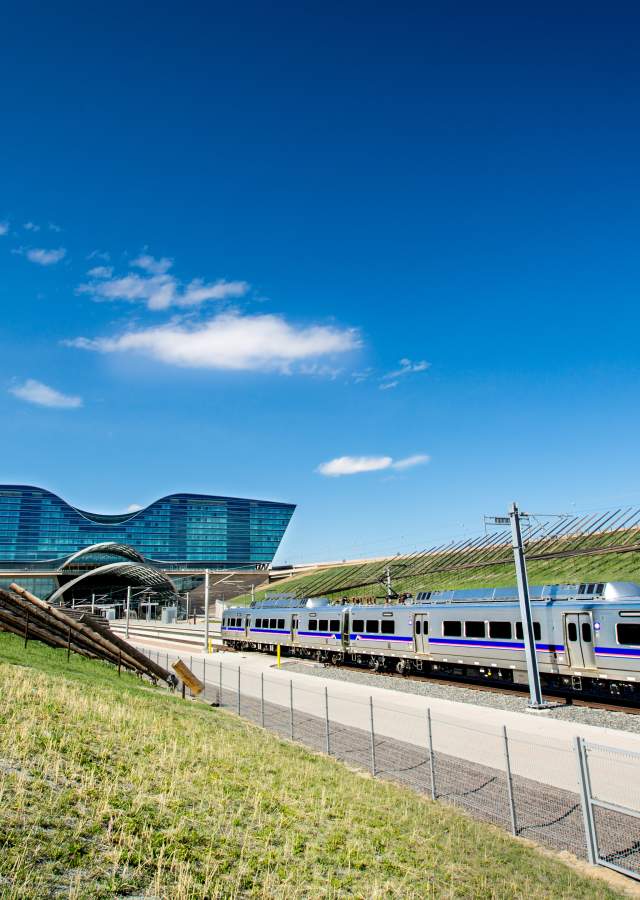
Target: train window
572,631
536,631
425,626
358,625
280,623
313,625
629,633
500,630
258,623
272,623
474,629
586,632
323,625
452,629
334,625
373,626
388,626
417,626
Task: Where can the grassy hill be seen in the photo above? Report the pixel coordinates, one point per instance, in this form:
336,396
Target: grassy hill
113,788
607,567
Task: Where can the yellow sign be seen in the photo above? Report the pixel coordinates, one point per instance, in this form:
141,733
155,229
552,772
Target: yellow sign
185,675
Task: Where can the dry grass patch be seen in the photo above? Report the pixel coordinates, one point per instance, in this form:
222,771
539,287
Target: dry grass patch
112,789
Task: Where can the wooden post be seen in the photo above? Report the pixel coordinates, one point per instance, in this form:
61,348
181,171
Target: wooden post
26,630
68,643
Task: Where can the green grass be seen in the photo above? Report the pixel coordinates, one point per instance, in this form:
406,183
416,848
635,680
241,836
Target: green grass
607,567
112,788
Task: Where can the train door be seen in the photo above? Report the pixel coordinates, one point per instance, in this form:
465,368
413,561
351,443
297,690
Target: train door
294,628
578,630
421,632
345,629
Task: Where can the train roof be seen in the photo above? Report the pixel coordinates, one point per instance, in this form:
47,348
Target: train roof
612,591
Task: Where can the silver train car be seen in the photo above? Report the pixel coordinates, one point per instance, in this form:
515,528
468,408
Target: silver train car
587,635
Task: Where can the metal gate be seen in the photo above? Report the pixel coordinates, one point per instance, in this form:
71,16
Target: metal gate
610,793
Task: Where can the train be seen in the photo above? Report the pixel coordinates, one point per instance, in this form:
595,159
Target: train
587,635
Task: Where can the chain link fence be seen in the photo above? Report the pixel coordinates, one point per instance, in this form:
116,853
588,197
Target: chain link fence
584,798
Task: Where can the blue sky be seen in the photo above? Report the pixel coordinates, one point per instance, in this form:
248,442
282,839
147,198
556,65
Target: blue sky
252,250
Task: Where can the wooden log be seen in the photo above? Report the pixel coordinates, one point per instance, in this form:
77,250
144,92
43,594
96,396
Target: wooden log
132,657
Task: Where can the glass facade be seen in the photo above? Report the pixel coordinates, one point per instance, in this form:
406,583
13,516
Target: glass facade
40,530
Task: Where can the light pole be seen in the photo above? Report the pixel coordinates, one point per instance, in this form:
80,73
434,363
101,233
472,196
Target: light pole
126,630
206,610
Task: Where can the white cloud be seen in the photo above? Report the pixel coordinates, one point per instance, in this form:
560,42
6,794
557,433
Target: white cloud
33,391
54,227
101,272
157,288
99,254
152,265
134,507
418,459
45,257
230,341
4,228
31,226
388,385
353,465
407,367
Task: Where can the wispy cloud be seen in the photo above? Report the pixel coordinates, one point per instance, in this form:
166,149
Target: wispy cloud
4,228
152,265
388,385
157,288
100,272
33,391
134,507
99,254
44,257
31,226
406,367
230,341
53,227
354,465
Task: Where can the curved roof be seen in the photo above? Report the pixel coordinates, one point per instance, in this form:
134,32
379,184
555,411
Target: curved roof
107,547
137,575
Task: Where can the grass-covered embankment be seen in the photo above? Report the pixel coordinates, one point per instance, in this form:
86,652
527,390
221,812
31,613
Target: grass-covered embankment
605,567
113,788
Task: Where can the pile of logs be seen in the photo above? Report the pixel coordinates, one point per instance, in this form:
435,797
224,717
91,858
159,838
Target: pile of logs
33,619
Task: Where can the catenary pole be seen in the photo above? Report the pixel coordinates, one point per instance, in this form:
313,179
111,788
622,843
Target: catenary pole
533,674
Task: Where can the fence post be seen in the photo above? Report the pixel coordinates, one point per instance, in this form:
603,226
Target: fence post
507,766
262,699
238,690
432,765
291,708
373,739
204,673
326,721
220,684
26,630
585,799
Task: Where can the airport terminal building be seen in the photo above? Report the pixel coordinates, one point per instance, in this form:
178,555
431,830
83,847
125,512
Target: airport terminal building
179,533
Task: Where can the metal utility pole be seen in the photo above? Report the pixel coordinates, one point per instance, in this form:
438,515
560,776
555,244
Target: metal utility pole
93,604
126,631
206,610
535,691
387,573
253,593
187,606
